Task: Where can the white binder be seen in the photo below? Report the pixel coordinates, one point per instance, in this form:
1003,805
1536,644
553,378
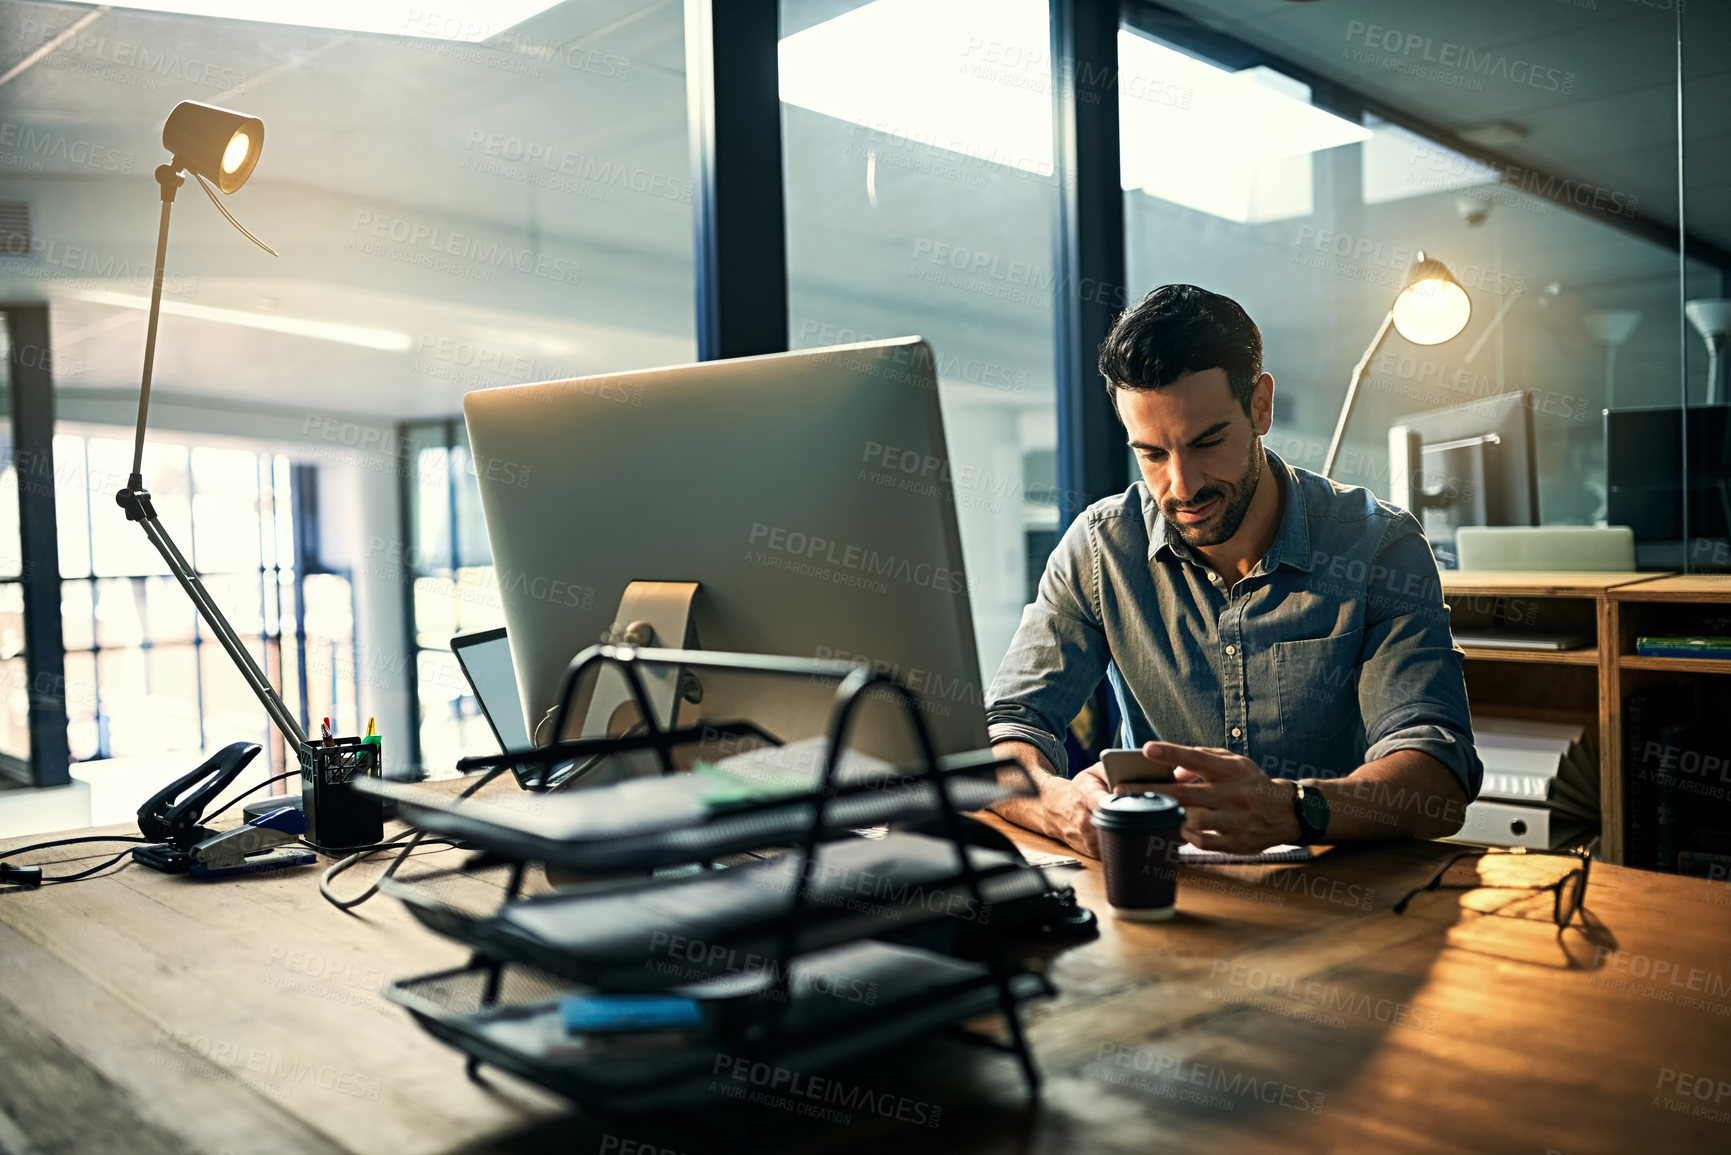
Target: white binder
1506,824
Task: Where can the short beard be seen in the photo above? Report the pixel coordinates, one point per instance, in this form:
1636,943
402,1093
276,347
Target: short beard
1236,504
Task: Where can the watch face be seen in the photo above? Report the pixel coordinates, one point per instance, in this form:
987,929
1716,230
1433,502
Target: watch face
1314,810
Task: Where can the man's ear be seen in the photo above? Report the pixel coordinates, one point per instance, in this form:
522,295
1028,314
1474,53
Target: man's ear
1262,404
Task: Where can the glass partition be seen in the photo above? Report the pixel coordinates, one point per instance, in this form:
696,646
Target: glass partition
1302,162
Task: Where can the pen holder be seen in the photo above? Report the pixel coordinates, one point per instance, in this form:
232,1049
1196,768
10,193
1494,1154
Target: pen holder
339,818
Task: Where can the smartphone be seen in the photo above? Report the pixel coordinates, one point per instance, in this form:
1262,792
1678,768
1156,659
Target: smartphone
1127,770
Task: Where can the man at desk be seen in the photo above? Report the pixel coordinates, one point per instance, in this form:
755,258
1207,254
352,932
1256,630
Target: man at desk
1279,638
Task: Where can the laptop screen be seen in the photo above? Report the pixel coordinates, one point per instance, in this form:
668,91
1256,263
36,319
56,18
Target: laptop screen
486,661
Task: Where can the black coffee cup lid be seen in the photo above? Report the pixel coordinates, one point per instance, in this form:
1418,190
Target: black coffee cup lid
1148,811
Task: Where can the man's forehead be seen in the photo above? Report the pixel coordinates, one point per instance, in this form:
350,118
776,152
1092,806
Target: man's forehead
1186,409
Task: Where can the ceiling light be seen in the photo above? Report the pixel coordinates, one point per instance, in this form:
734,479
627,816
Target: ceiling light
386,340
470,21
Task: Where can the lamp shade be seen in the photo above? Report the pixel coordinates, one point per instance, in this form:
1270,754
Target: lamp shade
1433,307
220,145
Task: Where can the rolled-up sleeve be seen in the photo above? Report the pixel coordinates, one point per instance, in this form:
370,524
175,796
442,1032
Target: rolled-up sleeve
1412,691
1058,656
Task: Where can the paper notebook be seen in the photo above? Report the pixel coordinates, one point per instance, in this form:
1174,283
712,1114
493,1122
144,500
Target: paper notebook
1196,856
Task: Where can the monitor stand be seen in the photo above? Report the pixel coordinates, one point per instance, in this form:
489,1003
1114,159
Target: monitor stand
650,614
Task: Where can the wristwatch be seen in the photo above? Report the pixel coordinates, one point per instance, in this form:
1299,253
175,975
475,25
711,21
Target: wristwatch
1311,810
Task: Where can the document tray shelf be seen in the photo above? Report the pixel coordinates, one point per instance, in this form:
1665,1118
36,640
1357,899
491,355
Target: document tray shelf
859,888
520,1030
510,831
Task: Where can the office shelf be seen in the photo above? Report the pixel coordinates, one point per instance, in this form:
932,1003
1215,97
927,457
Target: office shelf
1590,685
1676,665
1586,656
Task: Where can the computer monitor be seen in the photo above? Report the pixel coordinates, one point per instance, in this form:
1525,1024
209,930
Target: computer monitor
1644,469
1471,464
809,494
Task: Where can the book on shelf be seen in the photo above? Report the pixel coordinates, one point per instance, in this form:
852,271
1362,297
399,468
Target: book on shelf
1677,781
1666,646
1637,784
1500,639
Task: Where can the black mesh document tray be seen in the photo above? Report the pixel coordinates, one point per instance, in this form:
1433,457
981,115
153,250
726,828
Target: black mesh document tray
606,939
843,1003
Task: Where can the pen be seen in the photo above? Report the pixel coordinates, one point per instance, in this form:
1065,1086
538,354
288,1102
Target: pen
325,732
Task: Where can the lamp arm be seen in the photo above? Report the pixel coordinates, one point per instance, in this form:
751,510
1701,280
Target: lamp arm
170,180
1491,328
135,500
1351,398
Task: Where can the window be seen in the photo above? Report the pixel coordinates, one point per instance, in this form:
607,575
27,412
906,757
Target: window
448,574
143,674
14,670
922,202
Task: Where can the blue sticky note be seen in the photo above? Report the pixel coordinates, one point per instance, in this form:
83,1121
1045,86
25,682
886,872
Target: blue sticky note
630,1013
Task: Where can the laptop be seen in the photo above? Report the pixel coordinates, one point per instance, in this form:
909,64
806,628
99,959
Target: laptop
485,659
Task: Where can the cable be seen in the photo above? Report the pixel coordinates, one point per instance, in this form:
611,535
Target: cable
577,773
28,876
87,873
211,193
74,841
346,904
229,805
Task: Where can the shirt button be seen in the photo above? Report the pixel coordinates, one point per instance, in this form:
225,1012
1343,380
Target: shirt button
1236,731
1230,650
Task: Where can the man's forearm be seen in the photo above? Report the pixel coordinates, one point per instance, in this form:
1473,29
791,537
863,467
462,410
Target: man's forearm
1028,813
1408,794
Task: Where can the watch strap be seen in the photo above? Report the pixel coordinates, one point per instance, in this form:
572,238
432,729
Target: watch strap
1304,800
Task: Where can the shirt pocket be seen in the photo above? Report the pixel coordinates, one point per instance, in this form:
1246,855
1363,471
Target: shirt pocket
1317,681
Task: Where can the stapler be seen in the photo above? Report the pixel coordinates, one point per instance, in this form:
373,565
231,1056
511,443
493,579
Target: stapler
184,846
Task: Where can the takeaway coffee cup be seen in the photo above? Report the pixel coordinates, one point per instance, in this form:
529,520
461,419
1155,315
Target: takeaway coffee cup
1139,843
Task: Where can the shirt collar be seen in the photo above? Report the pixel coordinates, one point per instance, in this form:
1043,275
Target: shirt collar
1291,544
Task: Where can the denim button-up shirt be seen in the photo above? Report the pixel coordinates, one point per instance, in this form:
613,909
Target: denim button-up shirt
1334,650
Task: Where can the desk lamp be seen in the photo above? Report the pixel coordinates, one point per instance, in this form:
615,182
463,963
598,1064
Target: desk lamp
1612,329
213,144
1712,319
1431,308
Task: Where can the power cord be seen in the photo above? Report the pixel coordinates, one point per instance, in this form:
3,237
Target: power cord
29,876
230,804
414,837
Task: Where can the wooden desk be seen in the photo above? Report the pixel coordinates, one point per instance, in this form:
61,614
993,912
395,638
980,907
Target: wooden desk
1285,1009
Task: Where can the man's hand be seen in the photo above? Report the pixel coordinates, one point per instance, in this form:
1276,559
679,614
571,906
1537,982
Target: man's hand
1229,803
1064,809
1071,810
